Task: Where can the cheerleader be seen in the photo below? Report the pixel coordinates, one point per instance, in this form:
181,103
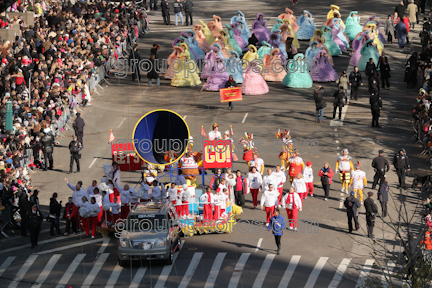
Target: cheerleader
259,28
326,72
185,78
225,199
289,15
353,26
273,67
367,51
332,47
215,134
227,137
172,193
306,26
269,200
208,201
308,177
115,209
248,147
298,75
201,39
218,77
207,33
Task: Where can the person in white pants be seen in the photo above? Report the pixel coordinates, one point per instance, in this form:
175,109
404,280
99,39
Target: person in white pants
269,200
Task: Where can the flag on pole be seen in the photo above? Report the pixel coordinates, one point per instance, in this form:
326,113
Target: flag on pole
111,137
232,132
203,133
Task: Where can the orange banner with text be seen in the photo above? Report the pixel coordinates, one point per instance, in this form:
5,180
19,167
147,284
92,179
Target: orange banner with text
230,94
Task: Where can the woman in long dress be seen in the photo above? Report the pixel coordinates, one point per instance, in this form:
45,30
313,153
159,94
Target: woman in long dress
312,50
209,62
265,49
297,75
193,45
230,42
306,26
207,33
233,64
378,25
218,77
279,22
333,13
371,26
332,47
274,70
357,45
235,33
254,83
260,29
368,51
171,62
244,29
185,78
353,26
291,33
200,38
289,14
276,43
326,72
341,34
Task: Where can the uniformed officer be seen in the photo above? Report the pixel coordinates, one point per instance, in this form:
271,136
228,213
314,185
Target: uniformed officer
34,221
381,166
74,148
401,164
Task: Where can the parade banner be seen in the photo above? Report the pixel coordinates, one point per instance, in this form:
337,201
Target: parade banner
230,94
217,154
124,155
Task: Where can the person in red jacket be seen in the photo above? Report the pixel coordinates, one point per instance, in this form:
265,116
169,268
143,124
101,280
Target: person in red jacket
427,240
406,22
71,215
326,174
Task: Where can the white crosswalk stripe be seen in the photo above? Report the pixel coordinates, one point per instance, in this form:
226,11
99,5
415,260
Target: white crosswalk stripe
191,269
22,272
315,272
95,270
138,277
388,272
70,271
235,279
114,276
47,270
215,270
289,271
167,270
365,273
263,271
340,272
6,264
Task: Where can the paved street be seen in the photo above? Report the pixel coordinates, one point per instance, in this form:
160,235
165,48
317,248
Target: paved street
325,257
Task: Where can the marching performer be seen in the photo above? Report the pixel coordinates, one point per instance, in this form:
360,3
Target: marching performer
218,199
258,163
248,147
279,178
285,155
185,196
308,177
172,193
334,10
254,181
292,203
215,134
344,166
189,168
269,180
115,209
269,200
179,206
299,185
225,198
358,181
296,165
125,195
208,201
227,136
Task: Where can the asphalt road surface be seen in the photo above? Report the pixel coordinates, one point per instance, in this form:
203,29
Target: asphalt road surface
327,256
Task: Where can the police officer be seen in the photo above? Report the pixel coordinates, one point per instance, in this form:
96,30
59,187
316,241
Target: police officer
371,211
74,148
165,12
47,142
54,209
355,80
381,166
376,105
401,164
78,126
352,204
34,221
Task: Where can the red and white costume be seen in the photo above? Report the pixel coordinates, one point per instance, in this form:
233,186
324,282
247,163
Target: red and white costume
296,165
269,200
218,199
267,180
207,199
254,181
292,203
214,135
224,202
185,196
125,200
258,164
115,177
115,209
179,206
299,185
308,177
94,210
280,179
172,194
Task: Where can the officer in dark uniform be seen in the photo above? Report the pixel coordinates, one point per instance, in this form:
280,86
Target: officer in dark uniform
376,105
74,148
78,126
54,209
165,12
355,80
401,164
381,166
47,143
352,204
34,221
371,211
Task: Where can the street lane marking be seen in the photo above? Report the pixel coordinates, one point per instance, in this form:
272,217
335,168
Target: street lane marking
121,122
95,270
104,245
389,271
94,160
259,244
340,272
47,270
214,272
138,277
337,122
68,247
23,271
235,279
191,269
70,271
244,118
114,276
289,271
341,201
6,264
365,273
167,270
259,281
315,272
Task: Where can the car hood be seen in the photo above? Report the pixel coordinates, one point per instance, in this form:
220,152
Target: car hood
145,236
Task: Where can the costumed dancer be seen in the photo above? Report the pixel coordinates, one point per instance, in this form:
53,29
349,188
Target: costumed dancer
344,166
218,77
201,39
185,78
331,46
273,67
307,26
312,50
287,149
336,39
218,22
300,77
334,13
375,36
233,67
185,196
254,83
318,33
275,41
378,25
269,200
357,45
189,167
299,185
184,39
244,29
358,181
265,49
254,181
194,46
207,33
208,201
84,215
218,199
279,178
289,14
234,32
279,22
341,31
209,62
353,26
259,28
292,203
326,72
248,147
172,61
223,35
296,165
230,41
291,33
367,51
220,44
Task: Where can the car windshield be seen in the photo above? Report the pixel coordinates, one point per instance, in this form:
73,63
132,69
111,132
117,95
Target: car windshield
146,222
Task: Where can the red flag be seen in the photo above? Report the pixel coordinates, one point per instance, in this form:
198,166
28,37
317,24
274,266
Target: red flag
111,137
116,55
203,133
232,132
